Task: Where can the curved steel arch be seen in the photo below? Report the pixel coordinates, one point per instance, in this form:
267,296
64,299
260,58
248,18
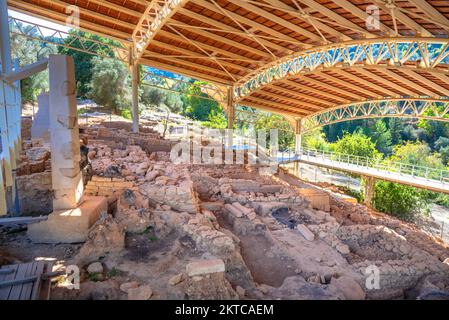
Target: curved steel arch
420,53
430,109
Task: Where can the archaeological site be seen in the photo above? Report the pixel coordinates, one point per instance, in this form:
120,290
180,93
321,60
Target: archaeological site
98,205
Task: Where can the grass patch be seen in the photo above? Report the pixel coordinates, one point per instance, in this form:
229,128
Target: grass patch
94,276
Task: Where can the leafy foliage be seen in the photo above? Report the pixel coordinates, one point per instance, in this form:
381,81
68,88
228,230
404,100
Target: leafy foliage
85,62
272,121
398,200
110,84
357,144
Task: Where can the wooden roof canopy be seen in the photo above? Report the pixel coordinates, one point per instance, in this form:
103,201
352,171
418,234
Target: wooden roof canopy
232,42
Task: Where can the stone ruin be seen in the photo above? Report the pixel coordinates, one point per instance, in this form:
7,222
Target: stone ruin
183,231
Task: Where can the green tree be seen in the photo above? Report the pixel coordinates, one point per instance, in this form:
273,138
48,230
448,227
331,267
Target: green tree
85,62
286,136
398,200
395,126
217,120
382,137
110,84
357,144
315,139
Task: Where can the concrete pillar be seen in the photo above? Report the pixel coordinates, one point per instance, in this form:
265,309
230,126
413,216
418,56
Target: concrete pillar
65,145
230,107
40,128
135,96
370,183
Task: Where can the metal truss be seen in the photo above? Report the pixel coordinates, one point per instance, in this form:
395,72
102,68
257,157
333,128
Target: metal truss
50,35
185,86
156,14
420,53
429,109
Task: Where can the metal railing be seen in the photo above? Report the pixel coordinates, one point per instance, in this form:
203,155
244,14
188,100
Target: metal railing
415,171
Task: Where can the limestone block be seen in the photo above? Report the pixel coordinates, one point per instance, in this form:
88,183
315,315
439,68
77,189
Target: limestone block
40,128
203,267
69,226
318,199
233,210
305,232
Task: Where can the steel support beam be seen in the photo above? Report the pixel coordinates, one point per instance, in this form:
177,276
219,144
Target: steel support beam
230,107
135,96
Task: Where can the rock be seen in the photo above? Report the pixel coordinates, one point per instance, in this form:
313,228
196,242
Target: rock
305,232
240,291
128,197
37,154
203,267
233,210
349,287
95,267
140,293
112,171
105,237
175,279
128,285
343,249
151,175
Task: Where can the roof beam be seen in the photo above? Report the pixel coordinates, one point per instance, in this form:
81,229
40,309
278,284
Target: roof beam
336,17
94,14
289,100
356,11
191,65
227,41
380,79
322,26
315,91
414,85
298,94
111,5
278,105
427,82
185,72
372,86
227,28
277,20
269,109
163,15
31,9
191,54
253,24
203,45
332,88
403,18
348,85
431,12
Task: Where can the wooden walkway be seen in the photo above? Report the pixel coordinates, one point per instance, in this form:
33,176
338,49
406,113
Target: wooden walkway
27,281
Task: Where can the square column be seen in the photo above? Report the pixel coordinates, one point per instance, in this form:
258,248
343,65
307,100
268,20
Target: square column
64,131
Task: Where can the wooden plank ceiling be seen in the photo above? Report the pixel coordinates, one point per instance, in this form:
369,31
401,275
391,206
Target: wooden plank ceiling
223,41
